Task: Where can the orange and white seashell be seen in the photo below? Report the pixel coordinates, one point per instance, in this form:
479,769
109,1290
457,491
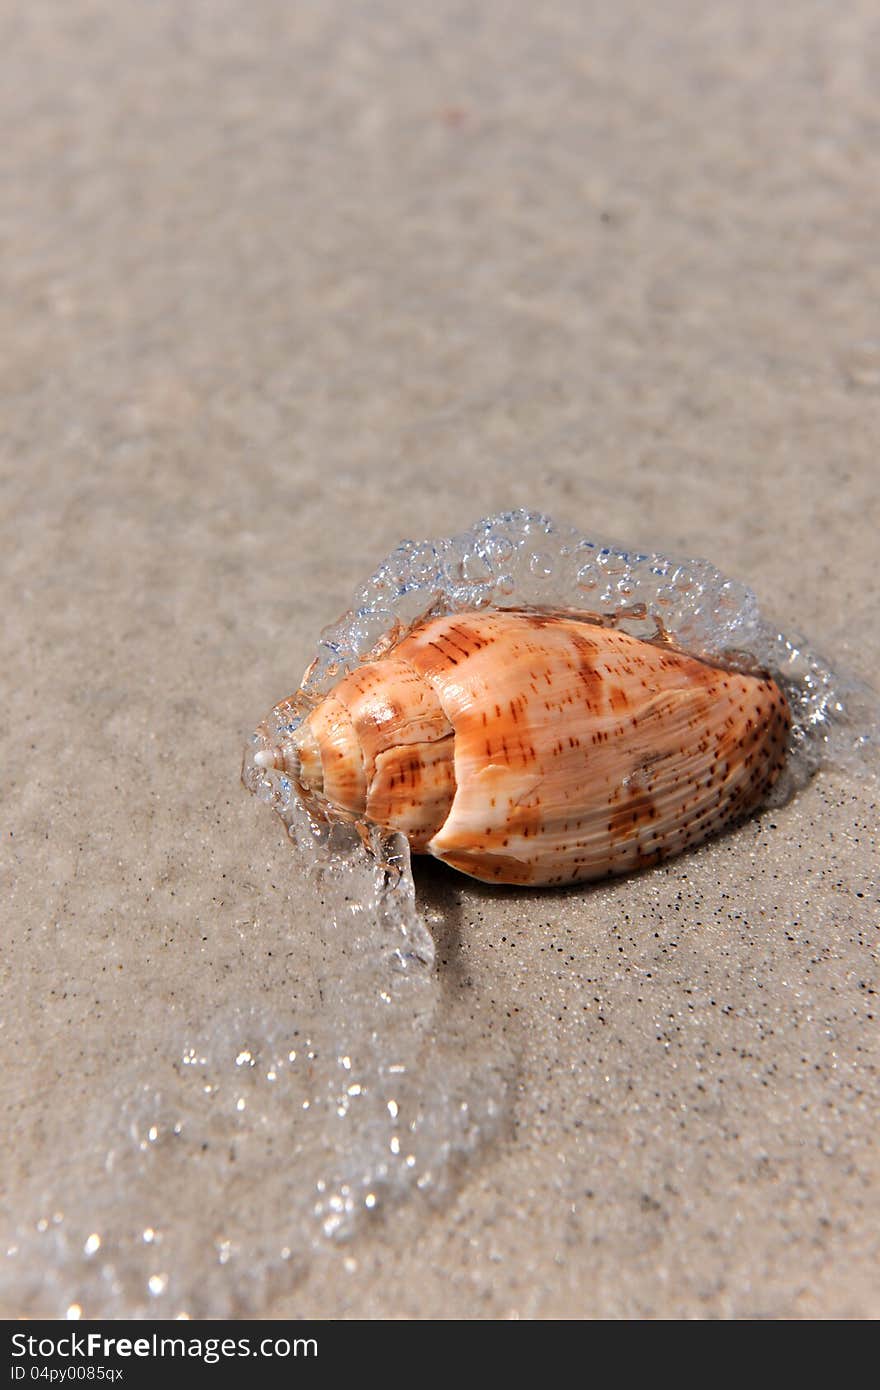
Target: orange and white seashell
531,747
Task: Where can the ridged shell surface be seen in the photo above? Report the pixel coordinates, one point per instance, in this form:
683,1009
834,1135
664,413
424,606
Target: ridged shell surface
541,748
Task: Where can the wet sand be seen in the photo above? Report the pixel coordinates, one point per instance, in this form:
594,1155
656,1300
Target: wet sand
282,290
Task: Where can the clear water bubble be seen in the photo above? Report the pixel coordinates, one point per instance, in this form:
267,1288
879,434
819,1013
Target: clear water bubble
541,564
586,578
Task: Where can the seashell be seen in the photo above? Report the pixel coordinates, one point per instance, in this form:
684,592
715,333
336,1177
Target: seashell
539,747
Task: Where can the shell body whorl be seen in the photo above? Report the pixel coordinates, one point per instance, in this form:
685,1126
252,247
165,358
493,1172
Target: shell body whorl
541,748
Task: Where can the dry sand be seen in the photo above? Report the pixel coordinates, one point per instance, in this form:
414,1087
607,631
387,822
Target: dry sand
285,283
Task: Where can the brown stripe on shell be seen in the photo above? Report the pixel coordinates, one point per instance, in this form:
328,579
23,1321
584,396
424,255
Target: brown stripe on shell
342,763
413,788
390,704
382,707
